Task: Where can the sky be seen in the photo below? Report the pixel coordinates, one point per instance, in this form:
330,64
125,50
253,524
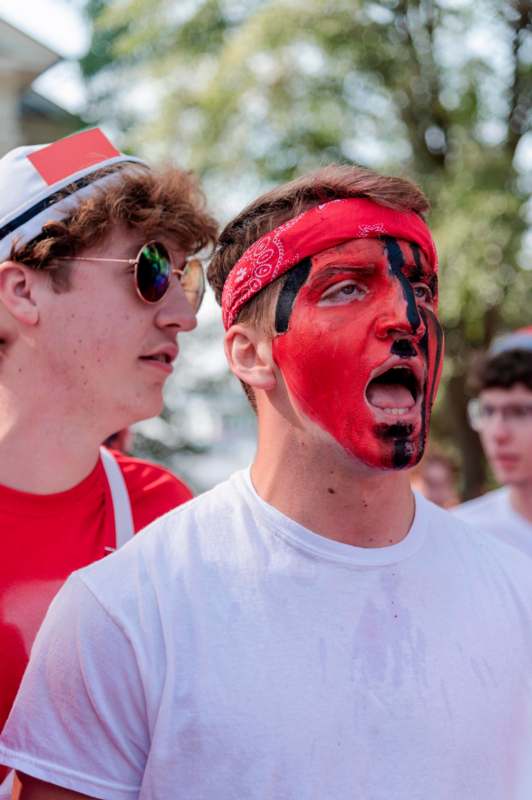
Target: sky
58,24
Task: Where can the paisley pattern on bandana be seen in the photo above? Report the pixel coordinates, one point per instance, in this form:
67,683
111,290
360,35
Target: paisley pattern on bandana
317,229
259,266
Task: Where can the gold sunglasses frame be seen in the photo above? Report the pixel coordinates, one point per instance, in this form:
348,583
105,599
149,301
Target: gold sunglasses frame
189,263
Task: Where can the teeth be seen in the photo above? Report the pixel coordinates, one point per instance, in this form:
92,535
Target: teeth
396,411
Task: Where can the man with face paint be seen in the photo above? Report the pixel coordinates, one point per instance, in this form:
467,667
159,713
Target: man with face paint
308,629
376,298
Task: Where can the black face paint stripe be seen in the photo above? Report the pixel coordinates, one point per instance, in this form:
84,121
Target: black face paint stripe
417,259
420,274
439,347
396,261
402,454
424,347
429,391
295,279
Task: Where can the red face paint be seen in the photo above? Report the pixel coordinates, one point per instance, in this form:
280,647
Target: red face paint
362,350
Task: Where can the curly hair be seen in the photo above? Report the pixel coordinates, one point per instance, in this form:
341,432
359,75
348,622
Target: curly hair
164,202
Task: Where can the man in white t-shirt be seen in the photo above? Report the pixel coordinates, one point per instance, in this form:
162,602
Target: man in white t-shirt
502,415
308,629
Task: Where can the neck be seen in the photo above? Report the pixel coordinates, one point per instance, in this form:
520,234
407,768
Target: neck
521,499
42,449
320,487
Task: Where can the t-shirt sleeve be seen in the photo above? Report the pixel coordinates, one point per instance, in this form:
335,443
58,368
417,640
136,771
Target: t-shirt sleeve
79,720
153,490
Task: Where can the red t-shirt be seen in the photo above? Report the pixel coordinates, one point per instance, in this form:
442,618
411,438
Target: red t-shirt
46,537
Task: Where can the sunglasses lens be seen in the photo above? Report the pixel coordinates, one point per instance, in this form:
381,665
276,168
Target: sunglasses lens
193,283
153,272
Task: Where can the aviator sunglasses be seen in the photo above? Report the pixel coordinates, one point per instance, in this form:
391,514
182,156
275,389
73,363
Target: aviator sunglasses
153,271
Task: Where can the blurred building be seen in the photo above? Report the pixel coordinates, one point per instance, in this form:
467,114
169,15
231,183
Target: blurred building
28,117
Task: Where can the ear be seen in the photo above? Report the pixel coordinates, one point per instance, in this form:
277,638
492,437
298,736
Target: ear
249,355
17,292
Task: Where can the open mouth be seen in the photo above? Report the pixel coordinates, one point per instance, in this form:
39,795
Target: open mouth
164,358
395,392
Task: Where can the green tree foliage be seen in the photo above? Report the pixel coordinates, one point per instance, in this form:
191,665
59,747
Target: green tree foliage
250,93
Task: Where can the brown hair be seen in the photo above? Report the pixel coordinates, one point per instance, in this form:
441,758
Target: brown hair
271,209
503,371
332,182
166,202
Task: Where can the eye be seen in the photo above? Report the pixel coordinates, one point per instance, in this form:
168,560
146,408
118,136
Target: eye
486,410
424,293
343,292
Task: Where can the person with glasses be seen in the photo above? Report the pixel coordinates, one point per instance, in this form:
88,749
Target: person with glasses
96,283
308,629
502,415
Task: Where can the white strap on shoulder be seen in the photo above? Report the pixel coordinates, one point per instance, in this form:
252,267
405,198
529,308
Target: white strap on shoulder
122,507
6,787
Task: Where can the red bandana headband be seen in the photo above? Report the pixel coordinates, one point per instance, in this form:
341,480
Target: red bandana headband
317,229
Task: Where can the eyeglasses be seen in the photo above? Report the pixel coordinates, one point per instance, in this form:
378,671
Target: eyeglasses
153,271
482,415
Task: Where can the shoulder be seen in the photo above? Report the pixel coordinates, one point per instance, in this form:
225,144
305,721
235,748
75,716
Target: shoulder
153,490
481,508
464,535
179,559
207,521
201,530
468,544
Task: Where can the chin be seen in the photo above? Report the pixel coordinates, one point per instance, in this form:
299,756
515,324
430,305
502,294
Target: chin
394,446
507,477
146,410
404,455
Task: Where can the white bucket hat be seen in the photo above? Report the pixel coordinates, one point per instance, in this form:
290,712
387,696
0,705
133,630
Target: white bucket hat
33,182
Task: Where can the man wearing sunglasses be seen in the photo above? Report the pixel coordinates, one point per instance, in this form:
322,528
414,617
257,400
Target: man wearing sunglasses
502,415
307,630
95,286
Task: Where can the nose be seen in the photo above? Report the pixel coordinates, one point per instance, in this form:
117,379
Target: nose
175,311
399,314
499,430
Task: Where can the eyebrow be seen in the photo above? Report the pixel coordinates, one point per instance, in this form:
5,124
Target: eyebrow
417,274
335,269
413,272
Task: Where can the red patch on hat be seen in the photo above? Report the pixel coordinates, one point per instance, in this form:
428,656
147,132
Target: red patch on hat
64,158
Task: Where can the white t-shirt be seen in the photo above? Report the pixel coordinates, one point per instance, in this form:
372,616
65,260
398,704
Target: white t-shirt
493,512
228,653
